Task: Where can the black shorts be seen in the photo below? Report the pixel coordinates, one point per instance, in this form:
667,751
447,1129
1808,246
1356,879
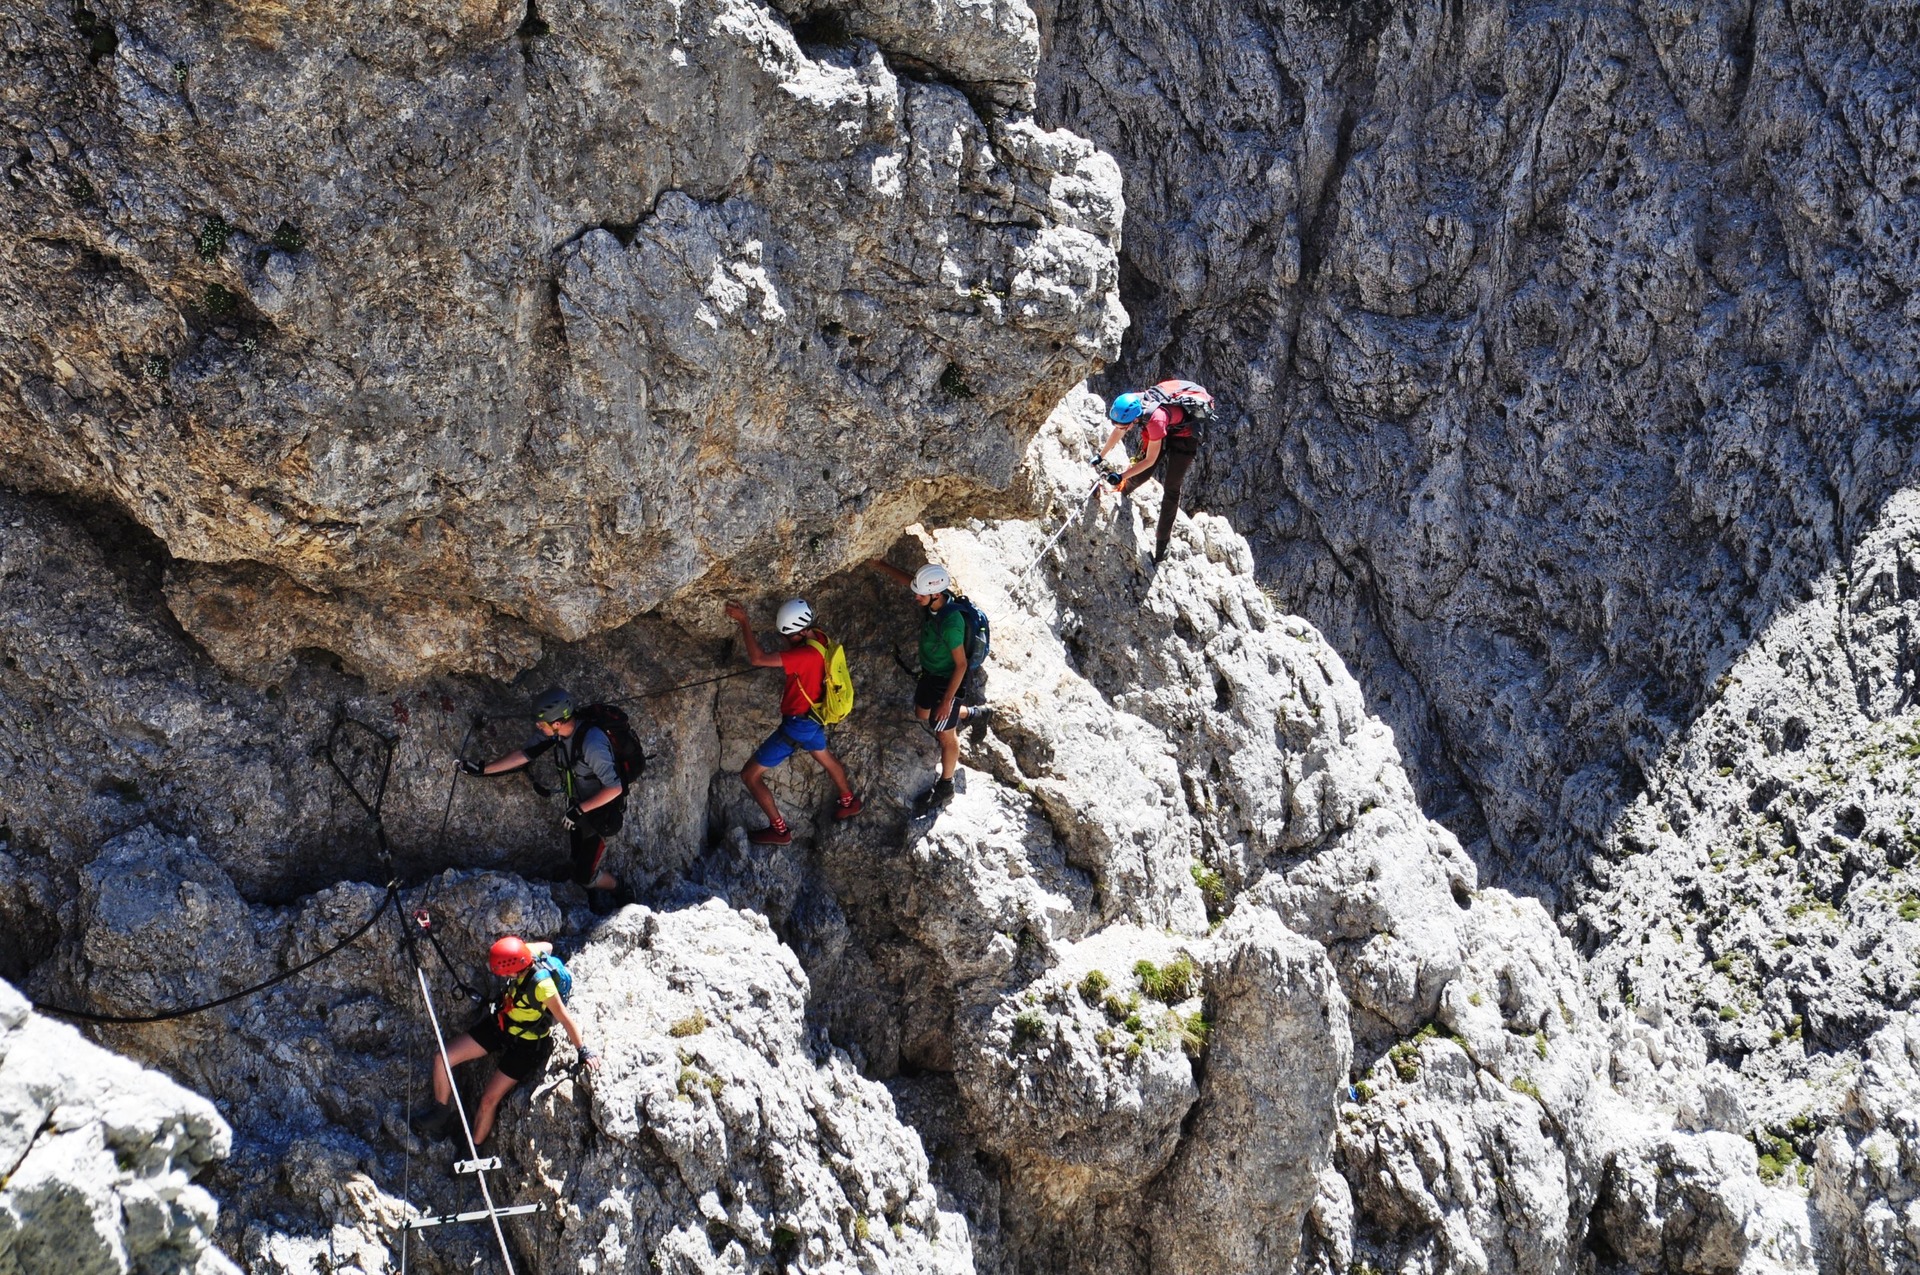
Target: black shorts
516,1056
588,840
932,688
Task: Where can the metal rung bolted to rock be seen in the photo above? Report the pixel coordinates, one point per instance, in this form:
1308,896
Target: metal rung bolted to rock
477,1166
478,1215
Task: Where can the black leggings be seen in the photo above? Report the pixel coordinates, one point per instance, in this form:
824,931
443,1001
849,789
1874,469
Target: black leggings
1176,456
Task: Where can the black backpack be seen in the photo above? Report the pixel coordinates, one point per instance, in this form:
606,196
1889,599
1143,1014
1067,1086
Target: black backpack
628,757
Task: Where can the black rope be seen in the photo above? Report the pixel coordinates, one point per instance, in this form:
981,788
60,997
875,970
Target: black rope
85,1016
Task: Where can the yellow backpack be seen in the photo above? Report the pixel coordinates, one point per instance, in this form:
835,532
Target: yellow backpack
836,692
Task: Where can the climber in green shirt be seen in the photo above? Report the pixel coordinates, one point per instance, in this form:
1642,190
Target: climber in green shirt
948,679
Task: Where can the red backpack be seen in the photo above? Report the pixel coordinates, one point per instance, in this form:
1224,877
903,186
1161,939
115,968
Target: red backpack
1190,397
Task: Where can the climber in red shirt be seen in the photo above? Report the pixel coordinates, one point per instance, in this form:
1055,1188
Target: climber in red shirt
1172,410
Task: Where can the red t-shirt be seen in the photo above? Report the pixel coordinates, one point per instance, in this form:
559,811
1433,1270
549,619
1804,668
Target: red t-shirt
806,672
1165,420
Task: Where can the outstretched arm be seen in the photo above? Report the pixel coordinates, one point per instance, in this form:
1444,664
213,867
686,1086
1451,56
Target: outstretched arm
890,571
565,1019
755,656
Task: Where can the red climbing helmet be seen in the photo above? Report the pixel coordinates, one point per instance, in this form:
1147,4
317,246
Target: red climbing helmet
509,956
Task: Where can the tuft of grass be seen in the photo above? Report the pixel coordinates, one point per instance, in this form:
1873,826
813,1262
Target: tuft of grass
1540,1044
1728,1013
1169,984
1028,1025
1195,1029
287,238
1522,1084
1120,1007
1213,887
953,383
862,1229
1093,986
219,302
1777,1157
213,236
692,1025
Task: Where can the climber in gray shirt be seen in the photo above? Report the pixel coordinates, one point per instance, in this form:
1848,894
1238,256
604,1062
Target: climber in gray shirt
590,773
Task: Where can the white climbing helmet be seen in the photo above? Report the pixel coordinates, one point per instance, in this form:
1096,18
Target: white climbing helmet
931,579
795,617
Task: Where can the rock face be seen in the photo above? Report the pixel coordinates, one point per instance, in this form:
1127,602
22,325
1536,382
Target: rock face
1182,979
100,1158
437,331
1562,344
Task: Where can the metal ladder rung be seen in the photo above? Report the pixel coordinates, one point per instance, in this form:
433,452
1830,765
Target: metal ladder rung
478,1215
476,1166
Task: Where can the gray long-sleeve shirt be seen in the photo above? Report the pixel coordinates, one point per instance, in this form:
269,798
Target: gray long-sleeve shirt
585,761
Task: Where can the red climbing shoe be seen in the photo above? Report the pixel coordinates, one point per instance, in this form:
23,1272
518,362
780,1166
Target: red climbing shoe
777,835
847,807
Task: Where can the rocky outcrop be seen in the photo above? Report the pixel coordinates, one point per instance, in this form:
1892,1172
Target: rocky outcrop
1181,980
101,1158
437,332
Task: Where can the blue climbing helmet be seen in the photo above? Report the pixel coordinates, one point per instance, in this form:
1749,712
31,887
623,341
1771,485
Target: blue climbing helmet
1127,408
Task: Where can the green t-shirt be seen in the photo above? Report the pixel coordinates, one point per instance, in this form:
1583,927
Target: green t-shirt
944,630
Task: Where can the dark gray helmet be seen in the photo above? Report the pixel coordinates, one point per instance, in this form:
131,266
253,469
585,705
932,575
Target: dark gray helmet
552,705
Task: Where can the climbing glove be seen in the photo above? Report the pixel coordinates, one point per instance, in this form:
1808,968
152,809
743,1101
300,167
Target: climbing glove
571,819
466,767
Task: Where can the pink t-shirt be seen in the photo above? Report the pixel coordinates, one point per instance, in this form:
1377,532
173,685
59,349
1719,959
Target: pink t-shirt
1165,420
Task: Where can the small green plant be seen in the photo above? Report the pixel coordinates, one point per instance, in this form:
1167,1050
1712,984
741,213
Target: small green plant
1540,1044
180,75
1363,1093
219,303
1104,1038
690,1080
287,238
1728,1013
692,1025
1724,965
80,190
1028,1024
212,240
1777,1157
1093,986
1910,909
862,1229
1522,1084
1213,887
1169,984
1405,1058
1475,998
953,383
1118,1007
1195,1029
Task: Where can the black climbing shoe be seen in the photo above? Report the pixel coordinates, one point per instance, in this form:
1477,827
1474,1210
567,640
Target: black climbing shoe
977,716
933,798
600,902
433,1120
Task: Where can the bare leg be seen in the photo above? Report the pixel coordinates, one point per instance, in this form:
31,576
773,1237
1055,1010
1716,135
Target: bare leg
463,1048
755,778
834,771
949,751
497,1089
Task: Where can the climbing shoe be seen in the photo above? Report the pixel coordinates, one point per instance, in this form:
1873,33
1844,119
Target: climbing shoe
933,798
600,902
776,835
847,807
433,1120
977,716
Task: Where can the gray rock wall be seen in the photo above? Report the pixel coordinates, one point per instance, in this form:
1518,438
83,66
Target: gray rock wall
1563,345
423,333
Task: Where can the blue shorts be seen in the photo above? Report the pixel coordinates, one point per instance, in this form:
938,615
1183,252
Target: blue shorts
796,734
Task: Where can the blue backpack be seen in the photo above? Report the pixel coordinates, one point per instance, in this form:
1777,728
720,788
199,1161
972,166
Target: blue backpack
557,970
